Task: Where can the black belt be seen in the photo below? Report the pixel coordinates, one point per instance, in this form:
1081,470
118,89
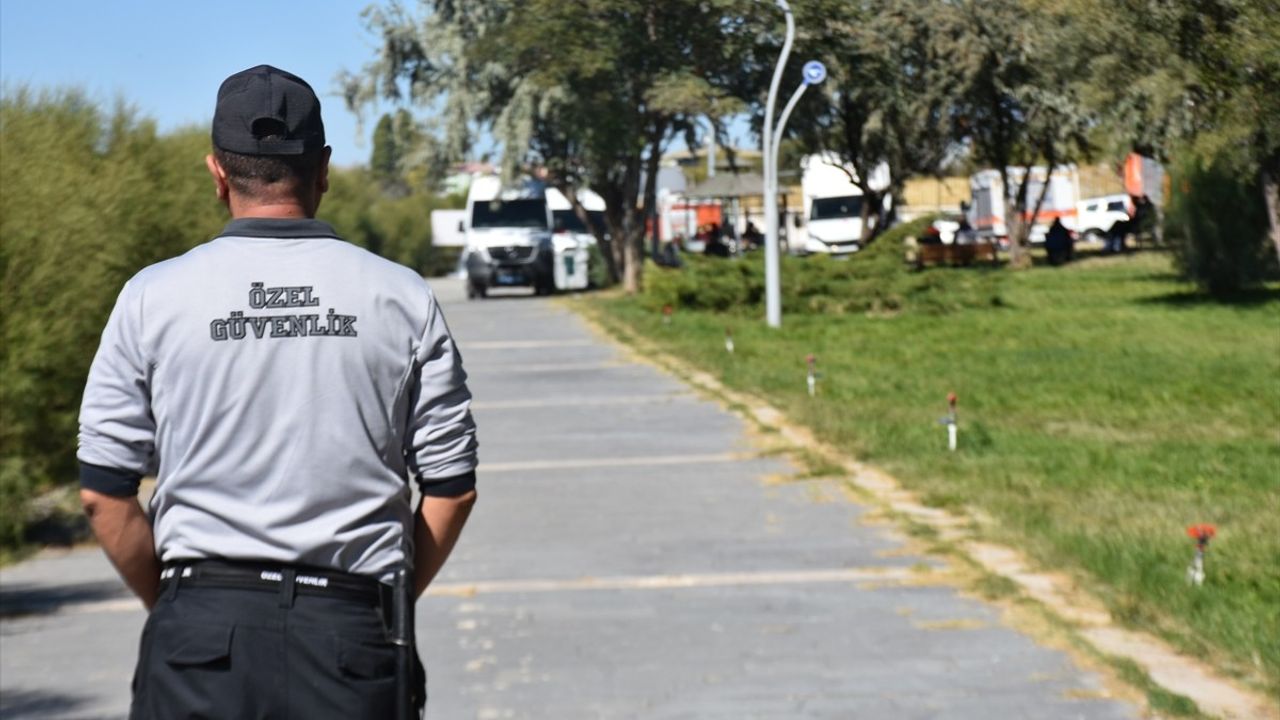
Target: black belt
268,577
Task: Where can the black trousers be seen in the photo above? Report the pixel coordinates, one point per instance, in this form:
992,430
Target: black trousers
215,653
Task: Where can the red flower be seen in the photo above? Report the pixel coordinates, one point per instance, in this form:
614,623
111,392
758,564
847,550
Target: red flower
1202,532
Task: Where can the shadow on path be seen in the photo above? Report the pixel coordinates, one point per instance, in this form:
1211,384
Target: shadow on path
18,599
38,704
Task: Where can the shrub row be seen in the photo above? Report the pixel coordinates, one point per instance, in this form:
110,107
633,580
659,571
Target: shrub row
87,198
875,280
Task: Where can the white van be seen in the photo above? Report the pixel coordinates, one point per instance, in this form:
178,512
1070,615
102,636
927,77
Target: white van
508,237
833,204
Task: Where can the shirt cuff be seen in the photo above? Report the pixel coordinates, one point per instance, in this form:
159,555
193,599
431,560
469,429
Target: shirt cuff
109,481
450,486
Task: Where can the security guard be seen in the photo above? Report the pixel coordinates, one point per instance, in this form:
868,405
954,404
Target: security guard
282,385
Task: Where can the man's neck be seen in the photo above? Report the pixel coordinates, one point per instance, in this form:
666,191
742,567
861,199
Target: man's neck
289,210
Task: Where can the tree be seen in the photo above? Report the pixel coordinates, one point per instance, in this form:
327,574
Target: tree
401,153
1019,104
889,92
384,161
1200,78
590,93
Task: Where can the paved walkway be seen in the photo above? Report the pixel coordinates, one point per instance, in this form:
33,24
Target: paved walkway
627,559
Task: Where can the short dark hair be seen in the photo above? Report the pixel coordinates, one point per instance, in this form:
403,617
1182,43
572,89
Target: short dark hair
255,175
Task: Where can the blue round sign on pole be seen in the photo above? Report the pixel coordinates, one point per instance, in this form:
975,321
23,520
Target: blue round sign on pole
814,72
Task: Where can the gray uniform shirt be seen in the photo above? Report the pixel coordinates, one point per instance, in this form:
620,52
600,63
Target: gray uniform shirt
282,384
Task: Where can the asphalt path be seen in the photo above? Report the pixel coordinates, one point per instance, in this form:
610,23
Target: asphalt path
632,555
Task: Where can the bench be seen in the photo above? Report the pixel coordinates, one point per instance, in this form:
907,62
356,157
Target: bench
936,254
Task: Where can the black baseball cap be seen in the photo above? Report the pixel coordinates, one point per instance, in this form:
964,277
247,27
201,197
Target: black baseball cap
266,101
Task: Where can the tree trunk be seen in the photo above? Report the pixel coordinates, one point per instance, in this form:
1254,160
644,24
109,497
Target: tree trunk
1019,256
869,201
650,196
1044,191
630,247
626,249
1271,196
1157,231
601,234
632,258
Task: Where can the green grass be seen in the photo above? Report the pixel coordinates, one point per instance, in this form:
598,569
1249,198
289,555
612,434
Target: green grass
1103,408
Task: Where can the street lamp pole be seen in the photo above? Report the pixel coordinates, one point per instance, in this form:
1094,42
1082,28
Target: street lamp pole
814,73
772,287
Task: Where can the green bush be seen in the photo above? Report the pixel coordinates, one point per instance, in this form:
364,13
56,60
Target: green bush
88,198
597,270
876,280
1217,224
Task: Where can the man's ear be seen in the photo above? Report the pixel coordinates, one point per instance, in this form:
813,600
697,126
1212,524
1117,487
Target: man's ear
322,177
220,186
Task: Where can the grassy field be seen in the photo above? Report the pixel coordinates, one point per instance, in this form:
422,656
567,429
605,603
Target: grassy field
1103,408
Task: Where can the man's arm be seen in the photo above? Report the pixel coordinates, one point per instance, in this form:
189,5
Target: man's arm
436,528
124,532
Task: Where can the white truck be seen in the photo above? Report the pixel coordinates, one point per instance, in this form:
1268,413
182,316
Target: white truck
448,228
987,213
571,238
508,237
833,204
1097,216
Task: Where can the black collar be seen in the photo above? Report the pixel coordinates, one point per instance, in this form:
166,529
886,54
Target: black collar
278,228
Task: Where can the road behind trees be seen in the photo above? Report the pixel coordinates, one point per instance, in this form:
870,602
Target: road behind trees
629,558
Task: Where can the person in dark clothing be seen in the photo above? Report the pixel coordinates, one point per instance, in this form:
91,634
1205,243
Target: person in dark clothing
1058,243
751,237
716,246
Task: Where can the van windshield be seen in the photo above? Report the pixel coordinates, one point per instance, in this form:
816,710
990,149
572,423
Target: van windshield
509,213
849,206
568,220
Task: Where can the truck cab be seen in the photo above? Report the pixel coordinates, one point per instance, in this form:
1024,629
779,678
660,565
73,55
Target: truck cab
833,204
508,237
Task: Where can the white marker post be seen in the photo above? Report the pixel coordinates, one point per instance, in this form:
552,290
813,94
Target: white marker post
728,340
1202,534
812,380
951,422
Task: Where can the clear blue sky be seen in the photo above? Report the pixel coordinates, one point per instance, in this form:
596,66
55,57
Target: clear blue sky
168,58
